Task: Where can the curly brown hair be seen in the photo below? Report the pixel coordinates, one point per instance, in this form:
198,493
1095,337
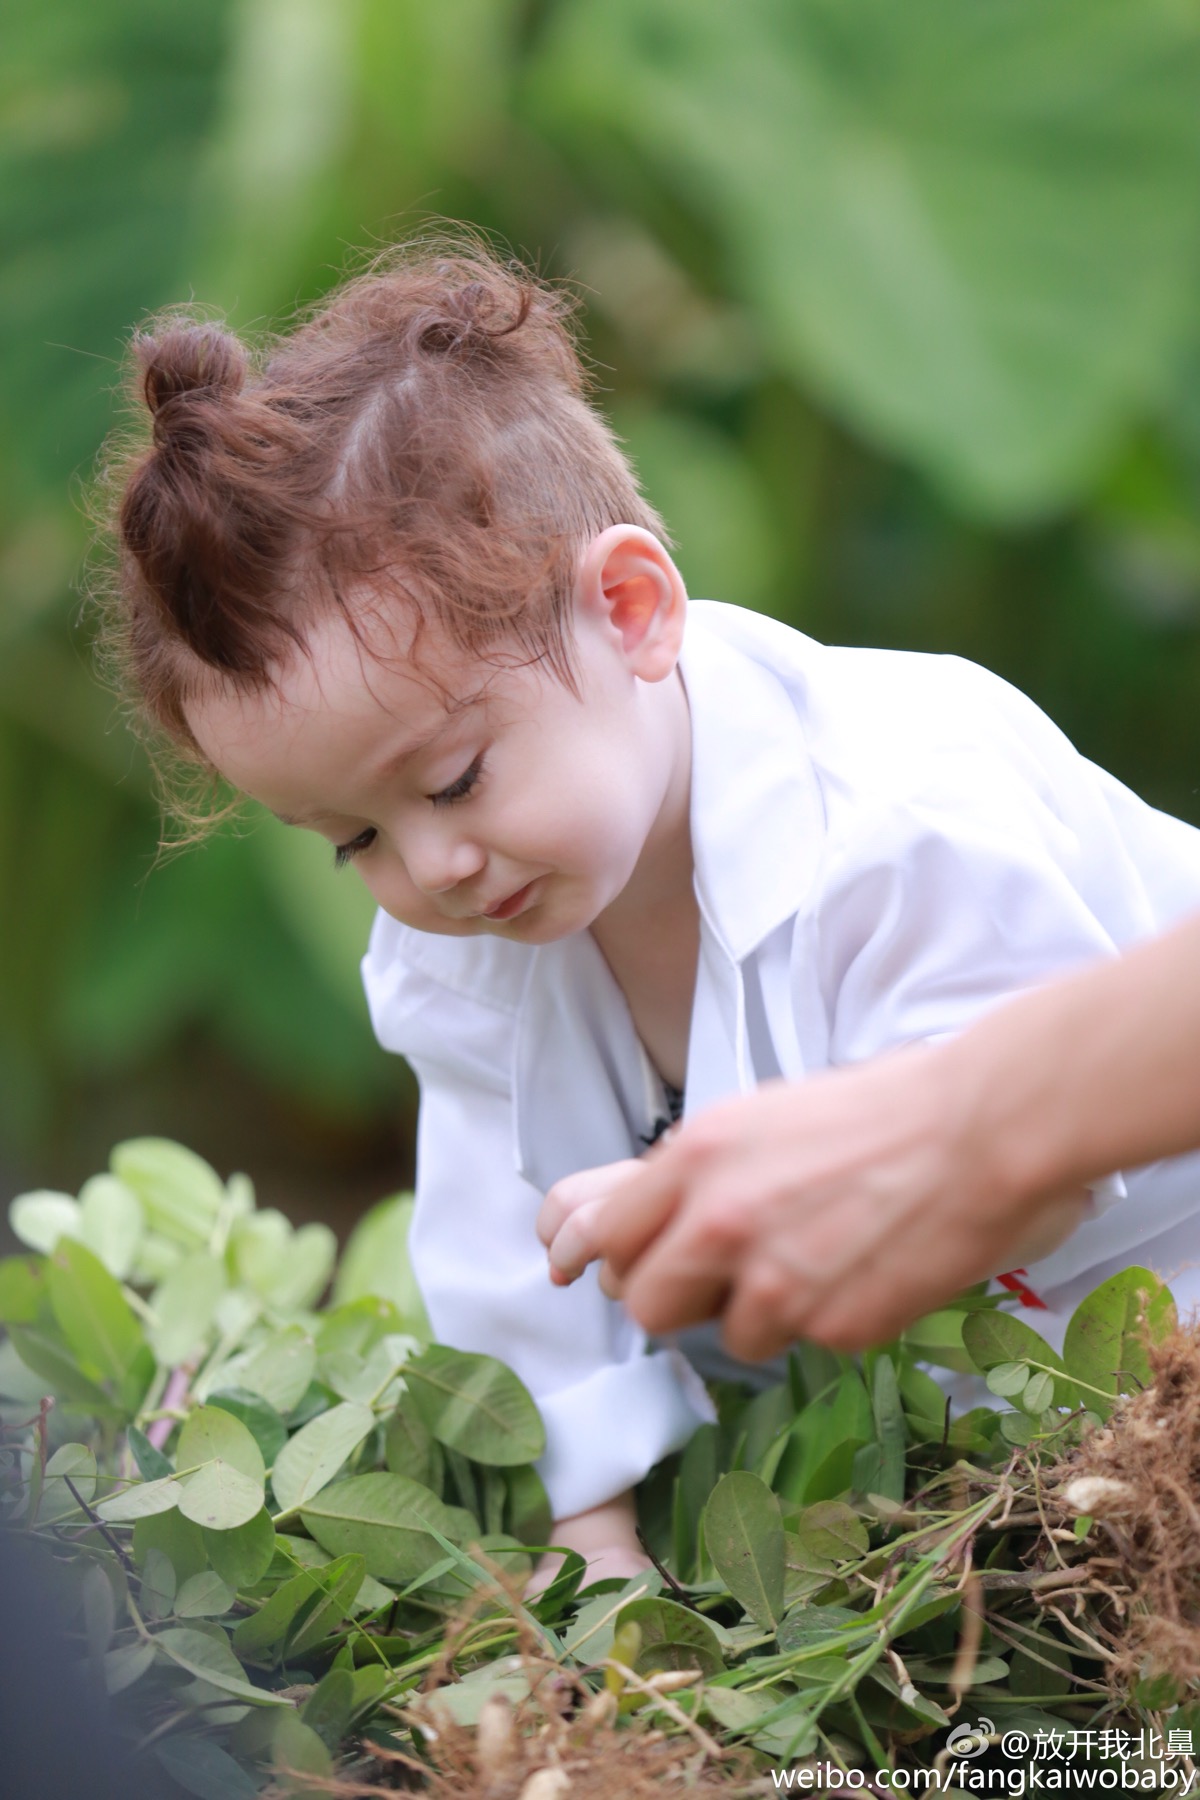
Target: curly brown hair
424,437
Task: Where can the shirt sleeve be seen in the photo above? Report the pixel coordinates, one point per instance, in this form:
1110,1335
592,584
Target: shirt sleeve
611,1408
931,919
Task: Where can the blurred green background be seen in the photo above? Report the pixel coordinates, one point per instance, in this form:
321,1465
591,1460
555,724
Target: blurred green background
895,303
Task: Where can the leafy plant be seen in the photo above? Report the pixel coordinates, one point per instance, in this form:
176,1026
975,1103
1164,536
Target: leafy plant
281,1530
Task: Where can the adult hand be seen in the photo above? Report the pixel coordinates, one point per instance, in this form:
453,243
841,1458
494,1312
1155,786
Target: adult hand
837,1209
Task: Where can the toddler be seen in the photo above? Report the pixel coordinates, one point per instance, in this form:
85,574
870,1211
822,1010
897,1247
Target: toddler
397,583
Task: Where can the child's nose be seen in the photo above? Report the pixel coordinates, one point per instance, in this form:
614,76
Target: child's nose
436,864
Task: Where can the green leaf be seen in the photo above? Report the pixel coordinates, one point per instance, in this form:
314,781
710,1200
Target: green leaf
376,1262
1103,1342
279,1369
937,1338
311,1459
257,1415
366,1380
203,1768
266,1629
152,1464
40,1219
140,1501
185,1307
111,1223
92,1312
998,1337
671,1637
181,1196
289,1268
178,1538
383,1517
339,1583
159,1585
55,1366
411,1449
76,1461
226,1490
303,1610
891,1432
20,1291
99,1609
329,1707
1016,1428
203,1596
1038,1393
211,1659
475,1404
743,1531
242,1556
298,1750
1008,1379
126,1665
527,1513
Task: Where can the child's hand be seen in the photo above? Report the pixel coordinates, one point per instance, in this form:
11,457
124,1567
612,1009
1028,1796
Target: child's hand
570,1207
605,1536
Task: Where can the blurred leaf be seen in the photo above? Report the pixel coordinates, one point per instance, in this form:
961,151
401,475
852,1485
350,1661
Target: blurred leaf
125,1666
40,1219
279,1369
376,1262
111,1223
203,1768
21,1289
184,1306
93,1314
963,257
181,1195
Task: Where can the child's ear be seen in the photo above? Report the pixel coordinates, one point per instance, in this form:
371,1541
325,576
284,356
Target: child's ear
628,582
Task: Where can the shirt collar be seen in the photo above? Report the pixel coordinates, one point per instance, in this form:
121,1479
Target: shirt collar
758,822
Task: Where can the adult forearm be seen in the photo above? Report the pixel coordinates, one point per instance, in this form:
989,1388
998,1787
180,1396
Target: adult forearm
1092,1073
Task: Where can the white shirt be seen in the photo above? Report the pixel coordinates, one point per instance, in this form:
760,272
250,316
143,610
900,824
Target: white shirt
885,845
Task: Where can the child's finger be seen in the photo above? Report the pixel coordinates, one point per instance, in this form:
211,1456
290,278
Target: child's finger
574,1191
573,1246
638,1209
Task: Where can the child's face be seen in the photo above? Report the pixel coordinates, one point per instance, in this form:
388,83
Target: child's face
511,808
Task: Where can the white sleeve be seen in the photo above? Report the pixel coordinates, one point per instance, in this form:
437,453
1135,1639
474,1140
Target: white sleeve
931,919
611,1410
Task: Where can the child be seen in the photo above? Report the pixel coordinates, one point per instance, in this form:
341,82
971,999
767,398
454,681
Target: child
400,586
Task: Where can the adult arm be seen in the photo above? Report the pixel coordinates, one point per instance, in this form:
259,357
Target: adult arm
843,1207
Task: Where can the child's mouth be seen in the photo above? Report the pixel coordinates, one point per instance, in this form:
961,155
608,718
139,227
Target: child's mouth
508,909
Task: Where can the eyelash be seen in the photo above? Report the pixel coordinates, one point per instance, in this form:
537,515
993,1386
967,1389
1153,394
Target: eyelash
460,789
449,796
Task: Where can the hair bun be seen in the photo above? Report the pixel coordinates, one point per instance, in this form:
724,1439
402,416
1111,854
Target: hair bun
189,359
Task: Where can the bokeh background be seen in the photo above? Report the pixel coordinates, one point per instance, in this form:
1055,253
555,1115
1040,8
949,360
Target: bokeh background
895,303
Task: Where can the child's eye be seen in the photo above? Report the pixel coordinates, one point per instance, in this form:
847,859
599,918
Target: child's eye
344,853
458,790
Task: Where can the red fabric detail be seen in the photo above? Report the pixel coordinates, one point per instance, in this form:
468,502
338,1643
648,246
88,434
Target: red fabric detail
1015,1285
